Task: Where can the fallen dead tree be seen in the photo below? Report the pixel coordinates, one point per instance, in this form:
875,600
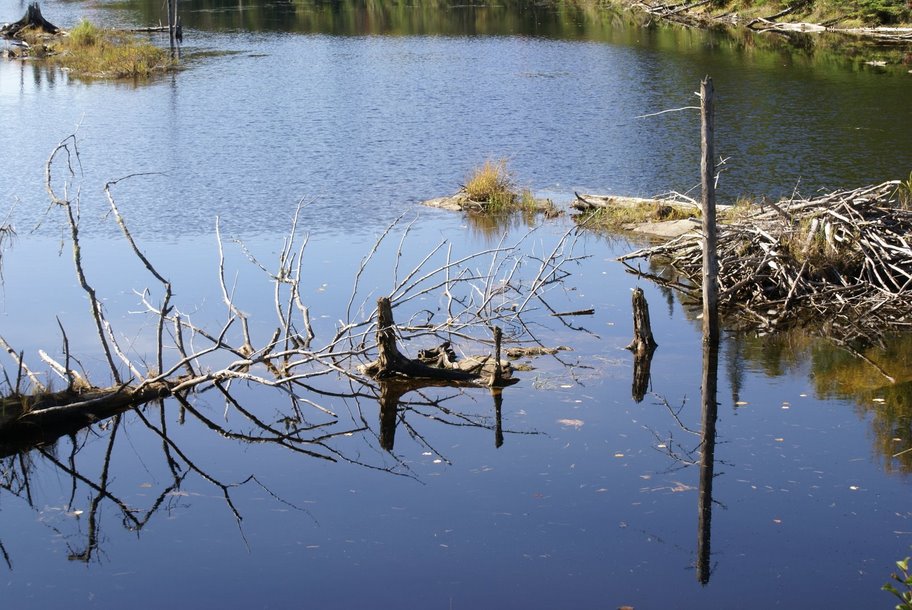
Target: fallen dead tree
842,259
495,287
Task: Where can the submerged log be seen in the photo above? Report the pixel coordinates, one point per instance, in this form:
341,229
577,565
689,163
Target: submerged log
437,364
33,20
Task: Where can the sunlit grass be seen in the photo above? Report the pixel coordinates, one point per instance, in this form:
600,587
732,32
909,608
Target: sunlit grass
492,185
88,50
619,216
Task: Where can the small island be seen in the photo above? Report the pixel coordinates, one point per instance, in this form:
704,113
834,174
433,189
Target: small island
86,50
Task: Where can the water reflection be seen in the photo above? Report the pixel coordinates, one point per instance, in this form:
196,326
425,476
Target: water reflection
395,411
876,376
372,17
871,370
707,460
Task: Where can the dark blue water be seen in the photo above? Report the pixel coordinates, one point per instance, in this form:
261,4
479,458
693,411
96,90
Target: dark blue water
591,501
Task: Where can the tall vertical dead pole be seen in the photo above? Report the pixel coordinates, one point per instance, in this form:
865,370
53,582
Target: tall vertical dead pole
710,330
172,23
707,177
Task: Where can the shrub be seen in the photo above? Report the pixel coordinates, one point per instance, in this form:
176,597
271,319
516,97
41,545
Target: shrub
91,51
85,34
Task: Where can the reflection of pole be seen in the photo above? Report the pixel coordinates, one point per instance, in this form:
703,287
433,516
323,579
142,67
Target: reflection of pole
497,393
707,173
704,505
389,404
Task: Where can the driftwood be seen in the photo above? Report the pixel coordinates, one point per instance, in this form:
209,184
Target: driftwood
188,366
461,202
535,350
683,13
843,259
33,21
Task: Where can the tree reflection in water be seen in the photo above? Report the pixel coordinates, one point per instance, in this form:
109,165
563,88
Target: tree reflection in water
193,368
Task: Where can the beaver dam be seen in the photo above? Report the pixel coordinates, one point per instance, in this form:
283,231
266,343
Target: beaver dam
843,258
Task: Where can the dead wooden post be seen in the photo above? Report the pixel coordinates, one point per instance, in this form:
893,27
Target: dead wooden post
497,374
642,346
174,32
710,330
707,178
643,341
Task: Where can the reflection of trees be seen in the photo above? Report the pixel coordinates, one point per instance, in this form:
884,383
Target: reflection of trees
441,296
877,377
396,411
872,371
373,17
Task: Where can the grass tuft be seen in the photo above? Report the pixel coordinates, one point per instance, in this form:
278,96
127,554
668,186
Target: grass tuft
619,216
90,51
492,185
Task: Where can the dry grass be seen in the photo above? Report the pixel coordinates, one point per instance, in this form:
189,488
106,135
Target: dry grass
492,185
620,216
90,51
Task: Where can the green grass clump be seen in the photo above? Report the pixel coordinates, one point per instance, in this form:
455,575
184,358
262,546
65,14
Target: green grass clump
492,185
85,34
904,193
90,51
95,52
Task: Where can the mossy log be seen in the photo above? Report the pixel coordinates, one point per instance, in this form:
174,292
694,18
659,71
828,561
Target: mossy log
33,20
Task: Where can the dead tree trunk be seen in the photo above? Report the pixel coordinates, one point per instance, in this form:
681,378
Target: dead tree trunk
642,346
643,341
438,364
33,19
707,173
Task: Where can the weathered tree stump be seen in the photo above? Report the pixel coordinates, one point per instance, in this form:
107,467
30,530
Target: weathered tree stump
437,364
642,346
32,20
643,342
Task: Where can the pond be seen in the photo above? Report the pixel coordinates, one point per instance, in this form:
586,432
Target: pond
564,491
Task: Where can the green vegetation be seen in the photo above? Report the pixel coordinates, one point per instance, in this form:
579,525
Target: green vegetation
845,13
904,193
90,51
904,593
492,185
492,189
619,216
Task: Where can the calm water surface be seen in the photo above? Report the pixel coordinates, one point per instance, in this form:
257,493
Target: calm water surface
363,111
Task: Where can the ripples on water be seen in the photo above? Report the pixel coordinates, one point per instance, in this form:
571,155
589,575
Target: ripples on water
590,509
366,126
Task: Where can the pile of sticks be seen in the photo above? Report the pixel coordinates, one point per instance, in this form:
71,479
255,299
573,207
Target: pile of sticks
843,259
